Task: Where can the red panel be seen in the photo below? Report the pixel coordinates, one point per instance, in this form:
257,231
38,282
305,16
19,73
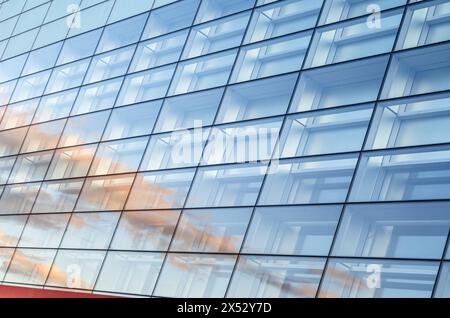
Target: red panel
23,292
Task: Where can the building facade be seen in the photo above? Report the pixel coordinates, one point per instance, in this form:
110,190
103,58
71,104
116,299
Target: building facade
226,148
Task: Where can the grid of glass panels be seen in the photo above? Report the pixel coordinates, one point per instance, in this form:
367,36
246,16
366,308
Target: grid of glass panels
240,148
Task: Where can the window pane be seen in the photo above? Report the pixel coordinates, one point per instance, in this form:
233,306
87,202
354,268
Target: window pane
232,185
395,279
67,76
324,179
11,68
170,18
219,230
276,277
30,266
257,99
104,193
271,57
118,156
11,141
323,132
443,284
6,91
122,9
410,122
6,165
18,198
416,230
84,129
160,190
30,86
90,230
130,121
216,36
75,269
44,230
420,71
5,257
11,229
31,167
79,47
174,150
199,276
93,17
145,230
43,136
122,33
302,230
410,174
58,196
425,23
42,59
338,85
202,73
212,9
282,18
340,10
71,162
128,272
109,64
55,106
159,51
354,39
188,111
19,114
146,85
242,142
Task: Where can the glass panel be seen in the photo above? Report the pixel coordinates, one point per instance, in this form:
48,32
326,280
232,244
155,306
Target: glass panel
219,230
302,230
93,17
160,190
11,141
212,9
58,196
354,39
416,230
122,9
11,229
67,76
19,114
420,71
145,230
30,266
324,132
118,156
71,162
31,167
271,57
340,10
443,284
55,106
324,179
338,85
5,257
59,9
90,230
43,136
52,32
30,86
128,272
130,121
202,73
257,99
104,193
410,122
410,174
122,33
109,64
151,84
79,47
6,165
282,18
425,24
18,198
378,279
174,150
171,18
44,230
276,277
231,185
199,276
216,36
242,142
6,90
84,129
188,111
75,269
42,59
159,51
11,68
